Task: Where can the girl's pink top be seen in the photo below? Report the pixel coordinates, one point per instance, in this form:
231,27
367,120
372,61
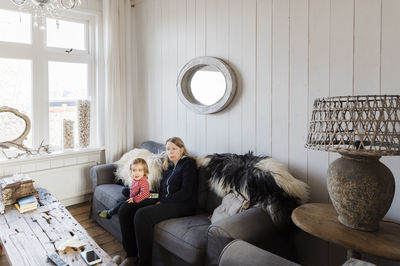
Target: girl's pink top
140,190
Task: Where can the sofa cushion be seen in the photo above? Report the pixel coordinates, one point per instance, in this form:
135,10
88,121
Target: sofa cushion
153,146
109,194
231,204
184,237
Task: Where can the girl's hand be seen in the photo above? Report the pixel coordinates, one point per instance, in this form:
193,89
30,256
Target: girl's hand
157,202
130,200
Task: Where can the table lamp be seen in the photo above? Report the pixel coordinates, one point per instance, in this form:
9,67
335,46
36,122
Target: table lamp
361,129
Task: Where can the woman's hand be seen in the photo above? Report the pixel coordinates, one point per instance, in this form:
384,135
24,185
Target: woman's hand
130,200
157,202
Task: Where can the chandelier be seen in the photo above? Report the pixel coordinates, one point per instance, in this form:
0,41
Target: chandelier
41,9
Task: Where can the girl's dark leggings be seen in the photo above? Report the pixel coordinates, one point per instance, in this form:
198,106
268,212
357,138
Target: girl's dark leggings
125,192
137,222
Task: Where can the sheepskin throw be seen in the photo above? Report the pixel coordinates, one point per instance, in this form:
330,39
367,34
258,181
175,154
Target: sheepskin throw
262,180
154,161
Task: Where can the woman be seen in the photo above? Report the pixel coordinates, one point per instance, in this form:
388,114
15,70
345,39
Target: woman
178,198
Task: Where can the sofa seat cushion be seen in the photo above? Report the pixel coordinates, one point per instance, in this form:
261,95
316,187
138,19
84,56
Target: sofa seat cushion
184,237
109,194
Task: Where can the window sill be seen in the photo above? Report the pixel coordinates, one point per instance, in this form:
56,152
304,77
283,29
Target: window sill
57,159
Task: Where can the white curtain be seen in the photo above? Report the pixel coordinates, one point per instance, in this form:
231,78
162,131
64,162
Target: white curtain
120,76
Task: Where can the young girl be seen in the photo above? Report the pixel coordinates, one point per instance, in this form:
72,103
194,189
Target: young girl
139,189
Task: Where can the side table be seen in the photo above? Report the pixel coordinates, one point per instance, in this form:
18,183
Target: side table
320,220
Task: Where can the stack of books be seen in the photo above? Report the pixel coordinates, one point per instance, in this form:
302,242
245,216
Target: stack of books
26,204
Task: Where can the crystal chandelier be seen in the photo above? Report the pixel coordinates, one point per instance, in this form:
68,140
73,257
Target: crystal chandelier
41,9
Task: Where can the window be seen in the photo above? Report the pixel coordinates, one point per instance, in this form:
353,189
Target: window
66,34
44,72
67,84
16,90
15,26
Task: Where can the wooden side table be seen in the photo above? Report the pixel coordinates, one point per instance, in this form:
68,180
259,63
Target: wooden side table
320,220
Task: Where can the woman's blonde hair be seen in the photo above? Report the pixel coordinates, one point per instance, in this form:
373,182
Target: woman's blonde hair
143,163
178,142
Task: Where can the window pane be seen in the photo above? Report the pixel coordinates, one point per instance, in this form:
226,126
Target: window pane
65,34
15,26
16,88
68,82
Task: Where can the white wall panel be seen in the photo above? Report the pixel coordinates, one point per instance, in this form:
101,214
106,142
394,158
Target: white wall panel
156,101
235,58
286,53
264,77
217,16
298,87
367,38
181,61
248,74
165,42
200,126
319,16
191,53
154,12
280,80
142,99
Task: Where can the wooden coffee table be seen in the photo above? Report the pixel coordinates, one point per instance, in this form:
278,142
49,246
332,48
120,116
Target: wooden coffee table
320,220
27,239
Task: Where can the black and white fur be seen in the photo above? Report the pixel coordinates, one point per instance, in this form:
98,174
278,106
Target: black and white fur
262,180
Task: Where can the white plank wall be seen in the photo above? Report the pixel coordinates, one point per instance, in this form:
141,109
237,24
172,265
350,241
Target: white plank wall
286,53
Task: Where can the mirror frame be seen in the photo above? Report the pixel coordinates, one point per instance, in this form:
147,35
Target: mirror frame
185,77
17,142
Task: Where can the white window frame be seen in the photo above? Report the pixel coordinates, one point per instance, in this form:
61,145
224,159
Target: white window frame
40,55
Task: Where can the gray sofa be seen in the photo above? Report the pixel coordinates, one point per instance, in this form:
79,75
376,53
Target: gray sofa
241,253
189,240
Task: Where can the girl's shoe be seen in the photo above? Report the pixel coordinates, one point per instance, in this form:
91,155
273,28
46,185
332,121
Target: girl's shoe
105,214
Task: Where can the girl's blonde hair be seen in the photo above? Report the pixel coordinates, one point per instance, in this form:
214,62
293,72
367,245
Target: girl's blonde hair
143,163
178,142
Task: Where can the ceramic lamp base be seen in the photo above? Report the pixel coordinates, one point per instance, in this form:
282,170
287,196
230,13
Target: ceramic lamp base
361,189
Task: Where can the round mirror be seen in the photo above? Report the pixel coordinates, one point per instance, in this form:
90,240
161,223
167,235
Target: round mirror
14,125
206,85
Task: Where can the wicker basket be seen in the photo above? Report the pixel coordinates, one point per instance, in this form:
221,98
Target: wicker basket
360,125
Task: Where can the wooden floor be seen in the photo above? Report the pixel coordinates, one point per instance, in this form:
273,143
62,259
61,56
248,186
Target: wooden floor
104,239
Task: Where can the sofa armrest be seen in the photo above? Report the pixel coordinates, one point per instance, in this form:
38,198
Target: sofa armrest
253,225
241,253
102,174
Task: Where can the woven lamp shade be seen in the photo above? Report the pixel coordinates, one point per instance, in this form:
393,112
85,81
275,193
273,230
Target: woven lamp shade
359,125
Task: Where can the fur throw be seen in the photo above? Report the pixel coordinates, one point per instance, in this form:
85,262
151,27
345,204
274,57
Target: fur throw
262,180
154,162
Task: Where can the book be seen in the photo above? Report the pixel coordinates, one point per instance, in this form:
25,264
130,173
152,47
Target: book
24,209
153,195
26,200
28,206
25,204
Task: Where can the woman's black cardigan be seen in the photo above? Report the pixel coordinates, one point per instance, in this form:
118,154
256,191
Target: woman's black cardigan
179,183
